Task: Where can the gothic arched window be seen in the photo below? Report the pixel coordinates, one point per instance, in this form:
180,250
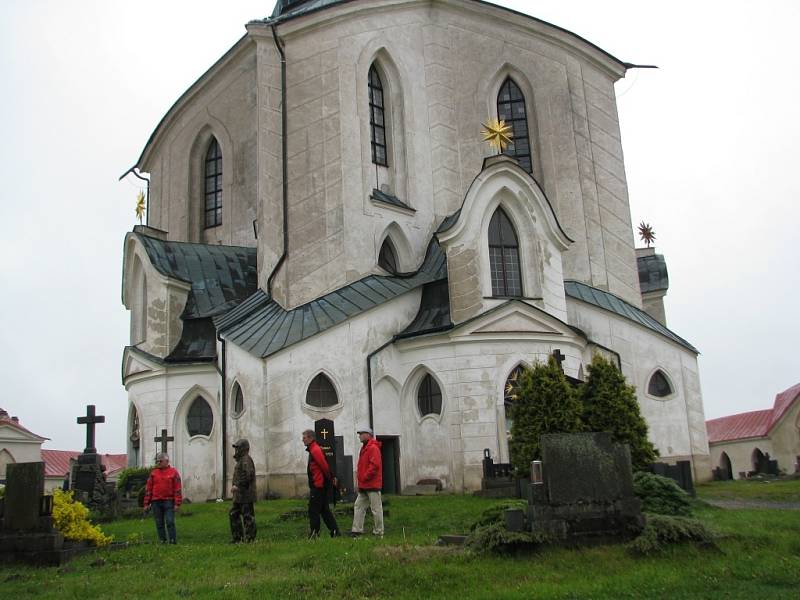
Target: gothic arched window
429,397
504,256
511,109
213,185
377,121
199,419
509,392
658,385
238,400
321,392
387,260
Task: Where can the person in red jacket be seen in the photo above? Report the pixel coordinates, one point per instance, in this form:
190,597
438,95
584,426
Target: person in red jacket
369,475
163,495
319,482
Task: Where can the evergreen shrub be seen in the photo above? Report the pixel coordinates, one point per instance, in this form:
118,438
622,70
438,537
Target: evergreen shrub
660,495
496,513
662,530
494,539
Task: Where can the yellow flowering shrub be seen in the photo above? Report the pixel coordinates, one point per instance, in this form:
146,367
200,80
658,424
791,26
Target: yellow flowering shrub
71,518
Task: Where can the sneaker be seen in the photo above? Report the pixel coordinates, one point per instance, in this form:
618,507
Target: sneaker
355,534
336,533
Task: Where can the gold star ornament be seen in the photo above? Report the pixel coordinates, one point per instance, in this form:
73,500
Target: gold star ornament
497,133
140,206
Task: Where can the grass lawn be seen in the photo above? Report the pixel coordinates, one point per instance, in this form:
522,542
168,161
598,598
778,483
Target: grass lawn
759,558
773,490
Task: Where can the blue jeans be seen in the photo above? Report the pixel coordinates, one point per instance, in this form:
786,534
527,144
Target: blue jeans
164,513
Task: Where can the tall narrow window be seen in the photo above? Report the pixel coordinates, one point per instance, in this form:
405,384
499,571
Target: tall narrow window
511,109
429,397
387,259
238,400
213,185
377,123
321,392
504,256
200,419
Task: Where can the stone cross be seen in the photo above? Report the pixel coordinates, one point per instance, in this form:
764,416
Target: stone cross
559,357
163,439
90,420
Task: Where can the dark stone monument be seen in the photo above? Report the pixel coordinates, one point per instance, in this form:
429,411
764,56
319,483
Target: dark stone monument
498,479
26,527
586,490
88,478
681,473
344,472
326,438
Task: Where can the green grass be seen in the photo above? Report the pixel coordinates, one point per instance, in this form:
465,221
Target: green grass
759,557
770,490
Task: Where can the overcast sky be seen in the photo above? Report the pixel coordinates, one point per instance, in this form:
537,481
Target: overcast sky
710,141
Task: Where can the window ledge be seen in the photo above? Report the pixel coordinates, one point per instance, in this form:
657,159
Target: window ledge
390,201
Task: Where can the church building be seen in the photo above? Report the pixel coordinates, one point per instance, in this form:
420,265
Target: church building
329,237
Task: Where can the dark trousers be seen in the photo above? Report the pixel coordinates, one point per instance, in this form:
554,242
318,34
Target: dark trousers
243,522
164,514
318,506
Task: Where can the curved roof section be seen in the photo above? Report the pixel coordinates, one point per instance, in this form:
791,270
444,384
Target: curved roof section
221,276
610,302
653,276
263,327
290,9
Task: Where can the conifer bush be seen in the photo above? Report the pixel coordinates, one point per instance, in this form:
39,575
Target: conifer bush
660,495
543,402
71,518
663,530
609,404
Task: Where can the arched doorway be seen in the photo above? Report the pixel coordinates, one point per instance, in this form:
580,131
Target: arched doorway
759,461
725,466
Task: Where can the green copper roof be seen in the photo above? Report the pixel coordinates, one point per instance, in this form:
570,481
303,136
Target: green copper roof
262,327
612,303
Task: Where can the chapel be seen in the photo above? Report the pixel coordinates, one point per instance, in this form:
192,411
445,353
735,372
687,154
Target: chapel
328,237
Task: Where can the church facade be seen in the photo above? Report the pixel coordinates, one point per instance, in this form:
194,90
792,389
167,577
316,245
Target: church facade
328,237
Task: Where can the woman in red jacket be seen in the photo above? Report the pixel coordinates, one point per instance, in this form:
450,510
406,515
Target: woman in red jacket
163,494
319,480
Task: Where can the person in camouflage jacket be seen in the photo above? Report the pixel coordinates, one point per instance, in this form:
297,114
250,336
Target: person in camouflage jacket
242,515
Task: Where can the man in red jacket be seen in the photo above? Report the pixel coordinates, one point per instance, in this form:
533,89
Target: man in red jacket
369,475
163,494
319,482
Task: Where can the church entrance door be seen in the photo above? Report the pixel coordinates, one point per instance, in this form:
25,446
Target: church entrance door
390,457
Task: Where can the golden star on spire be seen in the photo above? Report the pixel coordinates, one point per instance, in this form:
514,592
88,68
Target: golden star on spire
140,206
497,133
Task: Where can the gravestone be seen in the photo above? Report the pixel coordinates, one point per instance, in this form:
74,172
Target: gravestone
586,490
680,473
26,526
163,439
326,438
344,473
88,478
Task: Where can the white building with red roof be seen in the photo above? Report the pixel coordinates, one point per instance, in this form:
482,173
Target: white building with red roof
744,443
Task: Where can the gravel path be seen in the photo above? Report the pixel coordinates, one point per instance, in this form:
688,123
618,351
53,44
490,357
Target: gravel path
753,504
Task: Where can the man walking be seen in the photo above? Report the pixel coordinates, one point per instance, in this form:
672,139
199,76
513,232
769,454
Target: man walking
319,481
242,515
163,495
369,477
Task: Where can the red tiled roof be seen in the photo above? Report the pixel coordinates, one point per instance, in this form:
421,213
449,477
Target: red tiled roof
756,423
56,462
782,403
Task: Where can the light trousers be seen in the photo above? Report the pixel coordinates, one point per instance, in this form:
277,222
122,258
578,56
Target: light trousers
371,499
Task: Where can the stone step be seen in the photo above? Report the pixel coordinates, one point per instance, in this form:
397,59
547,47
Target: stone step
451,540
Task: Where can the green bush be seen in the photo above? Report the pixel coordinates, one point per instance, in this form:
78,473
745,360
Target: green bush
609,404
543,402
494,539
660,495
496,514
125,474
661,530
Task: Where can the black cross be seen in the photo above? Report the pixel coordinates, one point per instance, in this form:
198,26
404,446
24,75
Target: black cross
559,358
89,420
163,439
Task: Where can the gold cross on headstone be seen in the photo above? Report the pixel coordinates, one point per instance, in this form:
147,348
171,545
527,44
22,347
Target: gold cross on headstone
324,434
